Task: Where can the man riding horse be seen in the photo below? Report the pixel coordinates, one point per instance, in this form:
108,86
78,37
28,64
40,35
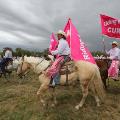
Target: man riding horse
62,54
114,54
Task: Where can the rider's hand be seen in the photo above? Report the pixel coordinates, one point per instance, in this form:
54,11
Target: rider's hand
51,52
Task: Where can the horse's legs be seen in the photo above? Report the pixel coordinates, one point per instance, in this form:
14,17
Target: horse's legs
43,88
54,98
8,72
85,93
97,100
104,82
95,95
4,73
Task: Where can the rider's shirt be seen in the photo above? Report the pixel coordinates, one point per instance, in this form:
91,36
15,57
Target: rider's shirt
114,53
63,48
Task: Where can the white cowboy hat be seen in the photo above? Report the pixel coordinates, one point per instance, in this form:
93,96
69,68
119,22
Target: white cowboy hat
114,42
62,33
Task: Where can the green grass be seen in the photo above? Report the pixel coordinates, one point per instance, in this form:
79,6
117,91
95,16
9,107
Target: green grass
18,101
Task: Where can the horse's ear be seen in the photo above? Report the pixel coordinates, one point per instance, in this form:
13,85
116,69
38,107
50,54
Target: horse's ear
51,57
47,57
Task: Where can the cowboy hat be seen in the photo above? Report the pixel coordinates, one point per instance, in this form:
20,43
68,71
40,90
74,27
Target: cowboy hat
61,33
114,42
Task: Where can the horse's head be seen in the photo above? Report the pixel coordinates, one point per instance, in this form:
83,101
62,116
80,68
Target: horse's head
37,64
15,64
23,67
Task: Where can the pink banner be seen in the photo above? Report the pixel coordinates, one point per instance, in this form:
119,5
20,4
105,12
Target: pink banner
53,43
67,30
110,26
78,49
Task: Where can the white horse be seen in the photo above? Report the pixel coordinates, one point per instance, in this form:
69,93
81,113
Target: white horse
86,72
14,65
11,66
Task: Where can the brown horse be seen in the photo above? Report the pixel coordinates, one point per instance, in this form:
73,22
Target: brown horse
103,65
87,73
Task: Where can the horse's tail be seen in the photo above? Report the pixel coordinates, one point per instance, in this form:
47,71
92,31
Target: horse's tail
98,84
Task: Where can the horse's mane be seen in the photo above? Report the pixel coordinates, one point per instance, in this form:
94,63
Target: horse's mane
31,59
38,63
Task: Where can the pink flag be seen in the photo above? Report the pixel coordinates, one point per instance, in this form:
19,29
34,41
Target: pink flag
78,49
53,43
110,26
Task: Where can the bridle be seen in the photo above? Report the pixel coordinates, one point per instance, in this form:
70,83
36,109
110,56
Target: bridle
21,74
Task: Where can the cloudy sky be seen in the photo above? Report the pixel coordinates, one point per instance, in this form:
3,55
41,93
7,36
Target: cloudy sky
29,23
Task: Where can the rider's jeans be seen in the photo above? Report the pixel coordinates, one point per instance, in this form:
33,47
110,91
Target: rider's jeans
56,79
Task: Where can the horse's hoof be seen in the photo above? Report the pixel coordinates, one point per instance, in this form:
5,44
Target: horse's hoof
38,94
98,105
56,103
77,107
44,105
53,105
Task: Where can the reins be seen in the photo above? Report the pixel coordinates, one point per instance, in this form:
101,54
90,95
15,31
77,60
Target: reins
40,62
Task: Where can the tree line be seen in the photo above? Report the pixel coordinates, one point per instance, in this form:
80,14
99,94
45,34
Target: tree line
21,52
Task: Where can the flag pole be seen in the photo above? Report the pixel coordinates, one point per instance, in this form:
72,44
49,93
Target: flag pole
103,41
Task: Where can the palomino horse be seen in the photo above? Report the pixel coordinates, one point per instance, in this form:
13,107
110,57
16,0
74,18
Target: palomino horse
86,72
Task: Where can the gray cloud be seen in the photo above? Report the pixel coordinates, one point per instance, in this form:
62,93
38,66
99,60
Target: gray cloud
29,23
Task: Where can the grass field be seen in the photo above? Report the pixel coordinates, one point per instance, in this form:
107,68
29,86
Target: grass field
18,101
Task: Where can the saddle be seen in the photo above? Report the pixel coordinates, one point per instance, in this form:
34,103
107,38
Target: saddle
67,68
